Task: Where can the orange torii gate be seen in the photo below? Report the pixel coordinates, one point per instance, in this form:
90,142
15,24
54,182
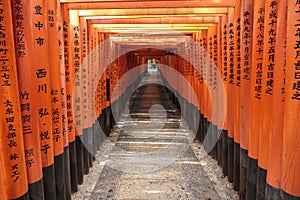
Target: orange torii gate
52,102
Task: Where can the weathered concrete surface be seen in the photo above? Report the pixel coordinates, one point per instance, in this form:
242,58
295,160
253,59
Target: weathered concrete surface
149,161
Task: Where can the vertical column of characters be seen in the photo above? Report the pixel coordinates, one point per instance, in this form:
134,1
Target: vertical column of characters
105,82
95,83
63,89
206,94
186,60
218,73
185,70
77,64
178,61
230,73
191,66
113,69
91,104
197,72
108,71
102,68
69,73
201,86
276,129
237,73
246,55
102,53
271,7
210,64
28,93
97,72
117,54
85,90
51,9
215,85
246,67
119,67
95,68
70,78
225,61
236,95
220,89
200,68
54,62
98,133
41,67
256,95
290,178
212,68
84,78
230,90
204,75
195,80
12,145
77,90
183,66
88,66
95,75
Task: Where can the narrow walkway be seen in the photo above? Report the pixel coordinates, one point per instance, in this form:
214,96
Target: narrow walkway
149,157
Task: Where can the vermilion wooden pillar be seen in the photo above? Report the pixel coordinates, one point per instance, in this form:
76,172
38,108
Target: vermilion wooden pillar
69,75
246,67
14,178
256,95
276,131
28,100
290,177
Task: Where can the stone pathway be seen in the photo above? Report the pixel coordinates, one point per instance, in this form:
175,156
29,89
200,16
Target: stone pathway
149,154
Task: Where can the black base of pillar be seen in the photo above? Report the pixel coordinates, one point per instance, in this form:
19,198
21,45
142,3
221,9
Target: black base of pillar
214,134
230,143
243,173
225,152
73,167
90,146
236,167
85,152
219,147
261,183
94,140
272,193
67,172
251,179
49,182
79,156
36,190
287,196
60,177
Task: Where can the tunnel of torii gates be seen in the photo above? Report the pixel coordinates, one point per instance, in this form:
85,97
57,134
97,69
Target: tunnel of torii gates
61,62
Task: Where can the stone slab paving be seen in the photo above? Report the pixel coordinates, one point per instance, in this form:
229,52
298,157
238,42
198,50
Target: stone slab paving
150,157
